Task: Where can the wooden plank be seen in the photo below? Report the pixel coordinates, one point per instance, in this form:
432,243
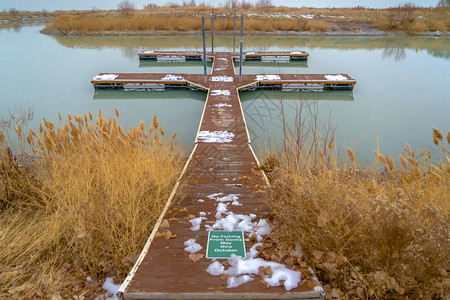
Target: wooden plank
164,269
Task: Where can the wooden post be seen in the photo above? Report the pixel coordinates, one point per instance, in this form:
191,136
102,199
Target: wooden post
234,33
212,31
204,45
240,53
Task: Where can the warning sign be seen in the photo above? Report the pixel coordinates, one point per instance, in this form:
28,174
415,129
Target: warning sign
221,244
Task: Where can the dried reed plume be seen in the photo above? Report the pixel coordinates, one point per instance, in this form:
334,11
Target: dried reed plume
84,208
369,234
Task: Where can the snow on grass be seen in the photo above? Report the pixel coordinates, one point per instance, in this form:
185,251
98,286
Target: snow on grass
111,288
220,93
220,105
267,77
172,77
335,77
105,77
192,246
215,136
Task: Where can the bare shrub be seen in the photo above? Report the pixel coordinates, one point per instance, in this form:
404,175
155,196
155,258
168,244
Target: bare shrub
263,3
150,6
231,4
245,4
126,8
371,234
13,12
173,4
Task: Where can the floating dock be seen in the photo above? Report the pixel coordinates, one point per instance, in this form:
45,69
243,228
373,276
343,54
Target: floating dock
162,81
178,56
218,187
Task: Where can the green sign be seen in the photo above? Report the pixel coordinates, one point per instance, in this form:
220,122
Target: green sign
221,244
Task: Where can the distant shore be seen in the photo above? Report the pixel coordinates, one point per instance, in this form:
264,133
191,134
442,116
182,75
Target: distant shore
186,20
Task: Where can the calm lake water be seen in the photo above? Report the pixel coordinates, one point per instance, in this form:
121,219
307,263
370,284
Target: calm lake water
402,89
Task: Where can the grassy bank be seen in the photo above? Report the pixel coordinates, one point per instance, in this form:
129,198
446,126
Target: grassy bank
84,208
178,19
369,234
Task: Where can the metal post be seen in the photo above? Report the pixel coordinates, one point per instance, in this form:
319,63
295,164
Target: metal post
212,31
234,33
240,53
204,45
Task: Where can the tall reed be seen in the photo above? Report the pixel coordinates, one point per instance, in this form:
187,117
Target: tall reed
83,208
368,233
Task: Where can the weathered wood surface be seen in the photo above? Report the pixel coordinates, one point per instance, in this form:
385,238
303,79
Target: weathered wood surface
166,271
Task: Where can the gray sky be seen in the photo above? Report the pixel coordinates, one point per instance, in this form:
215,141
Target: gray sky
37,5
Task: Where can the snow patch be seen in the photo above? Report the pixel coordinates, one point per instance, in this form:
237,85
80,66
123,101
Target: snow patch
215,136
105,77
214,196
267,77
111,288
172,77
236,281
220,93
192,246
197,222
240,266
220,105
215,269
222,78
335,77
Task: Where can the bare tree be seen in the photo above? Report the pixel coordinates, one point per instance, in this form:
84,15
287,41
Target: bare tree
13,12
444,3
150,6
231,3
126,8
263,3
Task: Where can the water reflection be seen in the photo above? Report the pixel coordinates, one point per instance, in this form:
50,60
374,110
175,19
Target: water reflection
435,46
149,95
156,64
398,54
327,95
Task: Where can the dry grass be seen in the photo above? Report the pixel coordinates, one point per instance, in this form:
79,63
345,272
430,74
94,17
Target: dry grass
367,233
407,19
85,208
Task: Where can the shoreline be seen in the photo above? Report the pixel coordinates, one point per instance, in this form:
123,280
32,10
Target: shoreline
338,33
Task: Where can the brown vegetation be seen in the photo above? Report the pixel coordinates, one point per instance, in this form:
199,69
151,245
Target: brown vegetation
263,17
368,234
83,207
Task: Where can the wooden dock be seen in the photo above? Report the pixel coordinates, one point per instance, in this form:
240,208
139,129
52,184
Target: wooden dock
221,172
162,81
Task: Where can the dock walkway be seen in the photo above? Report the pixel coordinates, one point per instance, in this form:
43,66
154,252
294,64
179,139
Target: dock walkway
218,181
